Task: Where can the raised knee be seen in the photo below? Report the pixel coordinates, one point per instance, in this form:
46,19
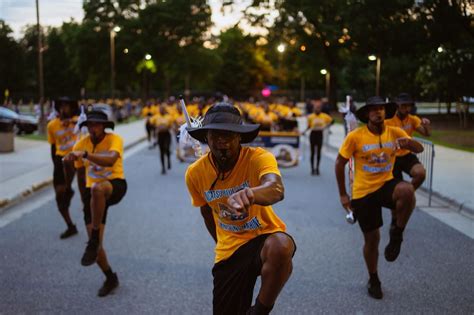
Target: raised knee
419,173
280,247
405,190
97,189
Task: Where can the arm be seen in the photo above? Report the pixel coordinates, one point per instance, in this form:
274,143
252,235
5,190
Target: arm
206,213
269,192
341,181
101,159
53,151
410,145
425,127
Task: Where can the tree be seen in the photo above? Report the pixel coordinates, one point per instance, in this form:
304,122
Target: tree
12,65
244,68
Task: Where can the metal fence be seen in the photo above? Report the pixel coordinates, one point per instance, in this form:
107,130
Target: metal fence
427,158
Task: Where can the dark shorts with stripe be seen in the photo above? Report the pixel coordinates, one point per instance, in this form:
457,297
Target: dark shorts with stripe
368,209
58,171
118,192
235,277
404,164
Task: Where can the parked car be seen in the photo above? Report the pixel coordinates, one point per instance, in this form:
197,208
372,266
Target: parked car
23,123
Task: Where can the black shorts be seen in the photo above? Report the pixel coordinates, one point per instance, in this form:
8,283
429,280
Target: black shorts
368,209
58,171
119,189
316,138
404,164
235,277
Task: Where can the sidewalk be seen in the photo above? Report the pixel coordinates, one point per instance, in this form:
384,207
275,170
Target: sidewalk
29,167
453,172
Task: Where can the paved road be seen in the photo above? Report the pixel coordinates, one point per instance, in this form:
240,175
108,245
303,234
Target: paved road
161,250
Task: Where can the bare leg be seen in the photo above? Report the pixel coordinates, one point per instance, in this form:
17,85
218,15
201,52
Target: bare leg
371,250
418,174
100,192
277,266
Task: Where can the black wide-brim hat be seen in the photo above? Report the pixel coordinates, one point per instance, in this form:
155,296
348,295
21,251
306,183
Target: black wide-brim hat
224,116
66,101
98,116
390,108
404,98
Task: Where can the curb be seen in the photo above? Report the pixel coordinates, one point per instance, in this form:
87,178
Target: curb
9,202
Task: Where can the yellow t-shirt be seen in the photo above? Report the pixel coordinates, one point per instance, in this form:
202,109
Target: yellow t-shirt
94,172
61,134
147,111
162,122
319,121
409,124
374,156
266,118
232,232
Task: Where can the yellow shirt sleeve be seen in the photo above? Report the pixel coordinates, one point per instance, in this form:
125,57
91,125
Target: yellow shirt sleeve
416,122
197,199
117,145
348,146
78,147
50,129
265,163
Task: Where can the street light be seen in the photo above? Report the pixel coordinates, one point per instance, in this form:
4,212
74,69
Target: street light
328,81
281,48
377,73
113,33
440,49
147,56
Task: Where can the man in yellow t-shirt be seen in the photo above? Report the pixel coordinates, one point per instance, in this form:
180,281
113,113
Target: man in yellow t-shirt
98,158
235,187
62,138
406,161
162,123
373,148
317,122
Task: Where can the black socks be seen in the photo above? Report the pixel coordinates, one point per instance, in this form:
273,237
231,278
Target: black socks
374,277
109,273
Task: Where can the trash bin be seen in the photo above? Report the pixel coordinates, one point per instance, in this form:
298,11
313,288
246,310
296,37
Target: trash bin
7,135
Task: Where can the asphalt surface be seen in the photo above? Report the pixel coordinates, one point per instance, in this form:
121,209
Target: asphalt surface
157,243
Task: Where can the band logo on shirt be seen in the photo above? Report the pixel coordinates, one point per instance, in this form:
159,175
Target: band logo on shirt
211,195
253,224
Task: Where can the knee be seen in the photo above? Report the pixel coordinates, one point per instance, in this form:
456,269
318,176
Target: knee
97,190
404,191
419,172
280,248
372,240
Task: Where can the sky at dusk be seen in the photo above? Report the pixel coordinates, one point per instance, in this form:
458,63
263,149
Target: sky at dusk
18,13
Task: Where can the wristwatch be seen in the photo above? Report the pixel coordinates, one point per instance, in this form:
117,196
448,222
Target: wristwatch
84,156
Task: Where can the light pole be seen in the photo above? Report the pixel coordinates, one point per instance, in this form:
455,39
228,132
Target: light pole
113,33
42,123
328,81
377,72
281,49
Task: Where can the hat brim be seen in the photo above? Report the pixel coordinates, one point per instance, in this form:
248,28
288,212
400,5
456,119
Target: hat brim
390,110
248,132
107,124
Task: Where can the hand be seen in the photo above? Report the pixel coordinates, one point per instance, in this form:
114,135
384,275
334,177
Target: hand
403,143
73,156
425,122
346,202
240,202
